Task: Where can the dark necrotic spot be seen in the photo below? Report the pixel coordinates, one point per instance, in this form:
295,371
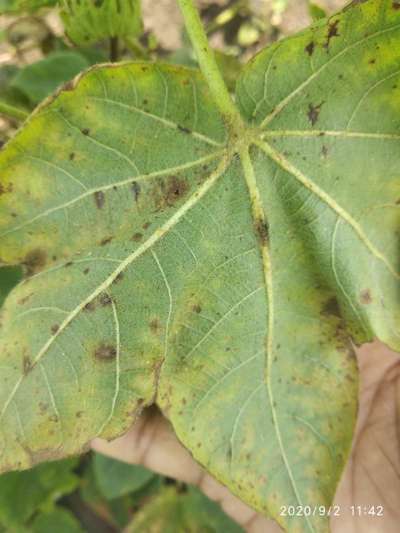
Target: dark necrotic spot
396,5
262,230
137,237
119,277
86,271
90,306
99,198
365,297
175,189
135,188
106,240
331,307
332,32
155,326
105,299
313,112
5,188
85,131
196,308
34,261
55,328
105,352
26,365
310,48
72,156
183,129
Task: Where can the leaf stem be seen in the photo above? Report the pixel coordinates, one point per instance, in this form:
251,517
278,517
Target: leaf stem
13,112
208,64
114,49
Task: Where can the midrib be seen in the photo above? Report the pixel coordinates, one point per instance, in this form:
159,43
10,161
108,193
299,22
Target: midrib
259,217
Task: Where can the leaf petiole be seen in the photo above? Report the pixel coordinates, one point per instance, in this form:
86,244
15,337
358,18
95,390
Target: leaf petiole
208,64
13,112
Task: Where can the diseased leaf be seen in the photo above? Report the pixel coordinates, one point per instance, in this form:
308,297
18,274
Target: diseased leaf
223,278
116,478
88,21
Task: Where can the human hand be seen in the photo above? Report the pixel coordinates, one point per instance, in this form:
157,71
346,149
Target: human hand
371,478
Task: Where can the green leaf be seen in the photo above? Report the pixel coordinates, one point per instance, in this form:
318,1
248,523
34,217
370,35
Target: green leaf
316,12
191,512
38,80
40,487
88,21
9,277
222,276
59,519
15,6
116,478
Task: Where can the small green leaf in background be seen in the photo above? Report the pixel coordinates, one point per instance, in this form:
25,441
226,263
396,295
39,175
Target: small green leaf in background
9,277
115,478
15,6
38,80
87,21
59,519
24,493
172,511
316,12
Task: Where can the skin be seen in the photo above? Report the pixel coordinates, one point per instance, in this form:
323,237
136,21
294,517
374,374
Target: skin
372,475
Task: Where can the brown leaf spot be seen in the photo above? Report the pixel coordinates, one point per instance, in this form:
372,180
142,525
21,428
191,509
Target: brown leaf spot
262,230
196,308
5,188
135,188
34,261
27,365
105,299
85,131
183,129
310,48
55,328
332,32
90,306
365,297
71,156
105,352
23,300
331,307
146,225
79,414
396,5
106,240
86,271
176,188
313,112
137,237
99,198
155,326
324,151
119,277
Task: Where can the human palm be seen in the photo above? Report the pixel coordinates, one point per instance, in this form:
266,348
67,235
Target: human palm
371,478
